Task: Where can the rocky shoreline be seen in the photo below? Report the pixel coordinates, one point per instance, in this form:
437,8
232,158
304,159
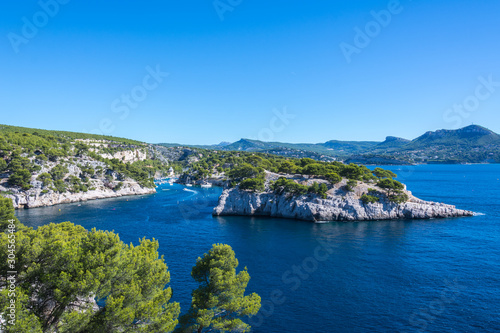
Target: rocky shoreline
35,199
339,205
101,182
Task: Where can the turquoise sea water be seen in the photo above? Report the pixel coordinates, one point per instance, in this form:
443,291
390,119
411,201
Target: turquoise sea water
389,276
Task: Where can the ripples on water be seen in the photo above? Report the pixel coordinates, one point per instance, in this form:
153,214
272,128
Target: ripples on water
387,276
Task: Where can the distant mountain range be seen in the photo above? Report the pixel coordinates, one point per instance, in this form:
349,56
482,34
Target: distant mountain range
471,144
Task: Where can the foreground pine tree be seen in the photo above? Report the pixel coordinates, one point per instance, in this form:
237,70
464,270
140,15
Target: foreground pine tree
219,302
75,281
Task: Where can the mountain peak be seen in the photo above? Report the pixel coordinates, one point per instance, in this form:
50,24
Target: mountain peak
392,142
472,135
476,129
395,138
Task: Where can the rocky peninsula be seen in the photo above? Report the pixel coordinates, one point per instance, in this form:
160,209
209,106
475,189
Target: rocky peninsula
339,205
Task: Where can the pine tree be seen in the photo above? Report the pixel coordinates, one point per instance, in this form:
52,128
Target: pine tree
219,303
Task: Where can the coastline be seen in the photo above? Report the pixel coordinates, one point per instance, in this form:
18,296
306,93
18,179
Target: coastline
25,200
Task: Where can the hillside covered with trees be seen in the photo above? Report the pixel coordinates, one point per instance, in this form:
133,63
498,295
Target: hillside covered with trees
41,164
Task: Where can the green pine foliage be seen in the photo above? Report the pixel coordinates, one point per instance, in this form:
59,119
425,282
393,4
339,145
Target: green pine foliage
368,198
288,186
71,267
3,165
398,197
32,138
381,173
21,178
333,177
64,271
7,214
219,303
253,184
394,190
59,172
390,185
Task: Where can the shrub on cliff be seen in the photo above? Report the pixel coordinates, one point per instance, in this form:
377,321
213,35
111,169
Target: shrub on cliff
288,186
314,169
333,177
59,172
394,190
54,154
253,184
367,198
398,197
60,186
3,165
381,173
118,186
76,184
45,178
390,185
20,178
319,189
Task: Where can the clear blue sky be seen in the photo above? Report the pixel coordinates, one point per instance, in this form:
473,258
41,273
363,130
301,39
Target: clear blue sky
227,76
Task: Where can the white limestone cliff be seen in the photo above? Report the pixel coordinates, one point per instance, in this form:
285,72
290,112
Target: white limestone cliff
340,205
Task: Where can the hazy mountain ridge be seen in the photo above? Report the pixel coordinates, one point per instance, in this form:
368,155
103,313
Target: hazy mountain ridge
471,144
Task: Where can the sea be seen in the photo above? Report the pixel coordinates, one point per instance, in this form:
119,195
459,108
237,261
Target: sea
439,275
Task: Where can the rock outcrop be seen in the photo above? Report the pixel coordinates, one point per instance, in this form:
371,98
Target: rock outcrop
339,205
127,156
